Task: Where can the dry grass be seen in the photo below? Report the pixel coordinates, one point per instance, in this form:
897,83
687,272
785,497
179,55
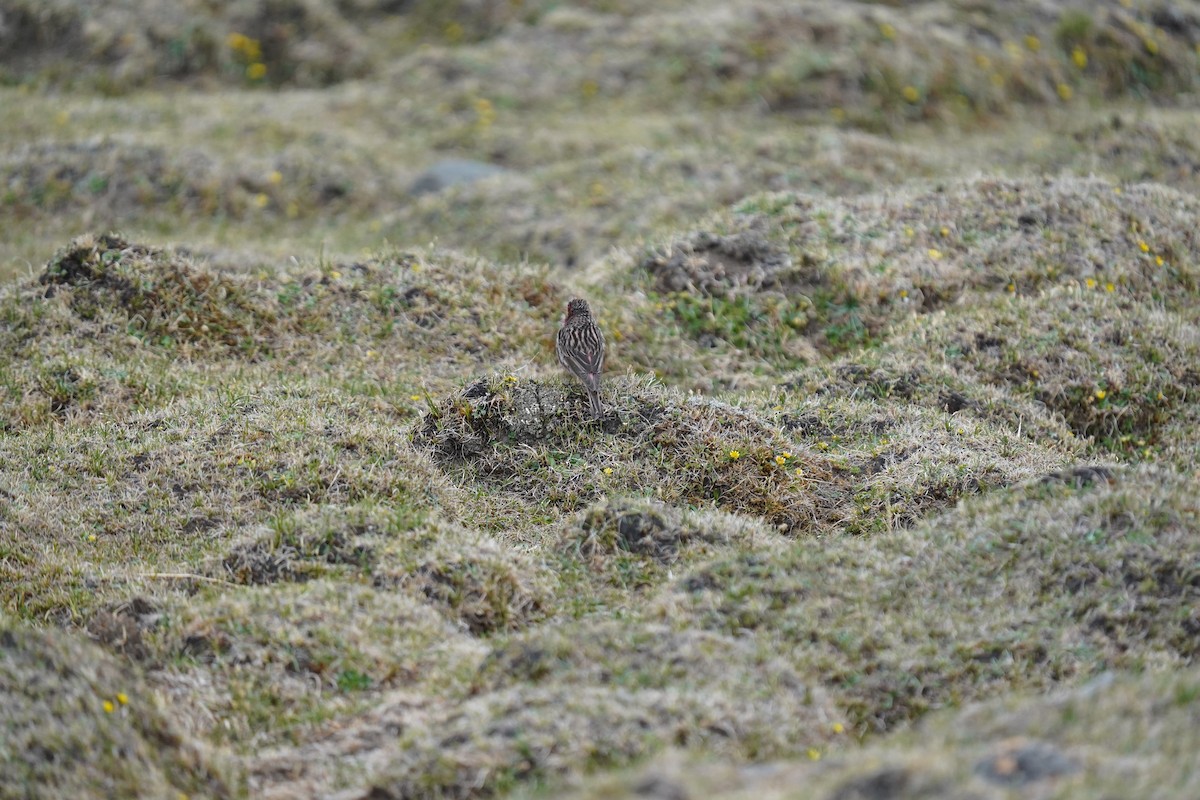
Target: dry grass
895,494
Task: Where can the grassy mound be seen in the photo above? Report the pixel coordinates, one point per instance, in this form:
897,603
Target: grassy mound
1091,576
113,326
129,44
174,486
872,65
266,665
1063,743
78,723
838,272
1118,371
105,181
737,641
530,438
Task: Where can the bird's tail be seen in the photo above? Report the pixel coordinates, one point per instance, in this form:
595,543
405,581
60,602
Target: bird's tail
594,400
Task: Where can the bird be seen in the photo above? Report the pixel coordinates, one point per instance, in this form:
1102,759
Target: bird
580,348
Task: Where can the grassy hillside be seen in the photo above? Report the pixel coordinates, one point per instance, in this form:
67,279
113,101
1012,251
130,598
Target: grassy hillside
896,491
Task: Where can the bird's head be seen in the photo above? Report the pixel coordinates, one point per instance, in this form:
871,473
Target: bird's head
577,307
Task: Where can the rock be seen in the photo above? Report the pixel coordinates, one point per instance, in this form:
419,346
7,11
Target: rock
452,172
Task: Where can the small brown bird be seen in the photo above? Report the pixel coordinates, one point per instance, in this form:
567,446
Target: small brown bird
580,347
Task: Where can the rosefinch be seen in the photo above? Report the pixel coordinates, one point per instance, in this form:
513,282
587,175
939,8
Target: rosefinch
580,347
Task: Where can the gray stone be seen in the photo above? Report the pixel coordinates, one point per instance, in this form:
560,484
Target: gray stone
452,172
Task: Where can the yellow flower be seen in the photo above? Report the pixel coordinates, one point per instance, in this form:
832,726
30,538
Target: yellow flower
1079,57
799,472
1012,287
903,293
256,71
786,454
887,31
236,41
1033,43
780,460
1158,261
911,94
944,231
608,470
1101,394
1145,248
261,200
108,706
91,537
838,727
1091,283
735,455
414,397
822,446
908,231
1109,287
814,754
1065,92
122,698
335,274
934,253
275,178
485,112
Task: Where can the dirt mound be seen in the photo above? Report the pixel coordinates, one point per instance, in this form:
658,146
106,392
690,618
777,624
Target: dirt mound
78,723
